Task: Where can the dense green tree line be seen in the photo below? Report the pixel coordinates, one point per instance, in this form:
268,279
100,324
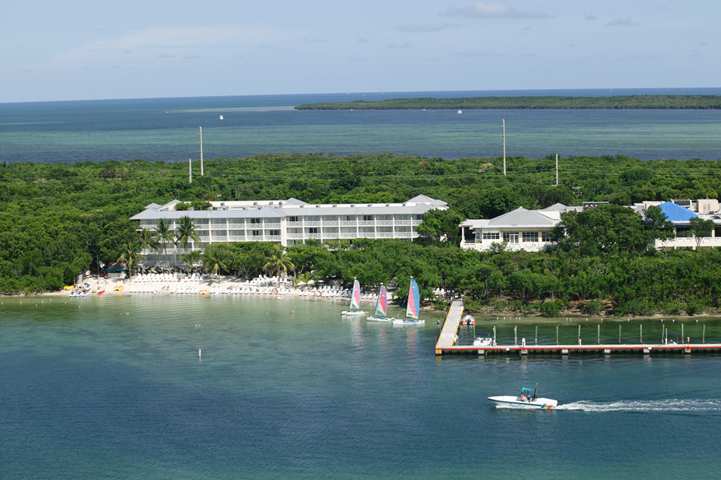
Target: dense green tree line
533,102
58,220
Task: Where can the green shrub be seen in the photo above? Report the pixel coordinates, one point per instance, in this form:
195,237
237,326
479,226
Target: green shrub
551,308
591,307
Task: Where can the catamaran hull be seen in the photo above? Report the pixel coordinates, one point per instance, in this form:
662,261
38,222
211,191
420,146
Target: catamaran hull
537,404
408,323
353,314
379,319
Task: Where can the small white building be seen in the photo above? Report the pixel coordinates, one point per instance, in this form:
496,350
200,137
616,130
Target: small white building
680,213
519,229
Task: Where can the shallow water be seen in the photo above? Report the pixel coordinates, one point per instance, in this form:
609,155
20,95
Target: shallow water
114,388
166,129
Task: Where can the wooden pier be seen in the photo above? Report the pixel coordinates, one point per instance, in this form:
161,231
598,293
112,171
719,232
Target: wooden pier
449,332
446,344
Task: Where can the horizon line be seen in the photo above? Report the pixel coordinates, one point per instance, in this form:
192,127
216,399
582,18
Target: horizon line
365,92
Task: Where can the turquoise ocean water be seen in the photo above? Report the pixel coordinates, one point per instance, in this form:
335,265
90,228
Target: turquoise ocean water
113,388
166,129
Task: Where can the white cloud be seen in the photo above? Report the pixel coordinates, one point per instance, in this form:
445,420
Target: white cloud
425,28
492,10
622,22
155,41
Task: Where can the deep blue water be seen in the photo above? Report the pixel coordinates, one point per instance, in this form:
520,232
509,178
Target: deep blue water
166,129
113,388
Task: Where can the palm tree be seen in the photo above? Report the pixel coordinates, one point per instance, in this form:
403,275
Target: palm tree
129,256
165,235
192,258
212,262
279,265
185,232
148,240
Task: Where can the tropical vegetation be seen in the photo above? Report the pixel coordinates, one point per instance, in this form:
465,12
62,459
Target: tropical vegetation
527,102
59,220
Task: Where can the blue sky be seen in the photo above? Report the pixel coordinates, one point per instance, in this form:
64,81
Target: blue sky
156,48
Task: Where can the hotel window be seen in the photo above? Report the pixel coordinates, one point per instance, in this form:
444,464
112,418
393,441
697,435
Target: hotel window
293,219
510,237
368,218
313,230
256,233
546,236
274,233
491,236
530,236
255,220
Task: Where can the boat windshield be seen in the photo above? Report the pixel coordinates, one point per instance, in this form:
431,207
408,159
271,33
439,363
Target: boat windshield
528,393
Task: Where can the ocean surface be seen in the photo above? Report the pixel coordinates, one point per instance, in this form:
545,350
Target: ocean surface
113,388
166,129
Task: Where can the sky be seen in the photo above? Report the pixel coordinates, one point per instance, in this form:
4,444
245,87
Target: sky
82,49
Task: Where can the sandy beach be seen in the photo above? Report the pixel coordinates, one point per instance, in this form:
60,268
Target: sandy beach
206,285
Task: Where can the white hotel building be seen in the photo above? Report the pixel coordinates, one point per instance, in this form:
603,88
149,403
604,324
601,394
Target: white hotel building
293,221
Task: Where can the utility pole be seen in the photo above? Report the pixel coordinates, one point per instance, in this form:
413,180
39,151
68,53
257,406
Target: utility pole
503,130
190,170
202,172
556,169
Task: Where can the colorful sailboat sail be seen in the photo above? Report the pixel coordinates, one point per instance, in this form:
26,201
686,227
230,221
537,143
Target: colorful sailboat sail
382,303
355,296
414,300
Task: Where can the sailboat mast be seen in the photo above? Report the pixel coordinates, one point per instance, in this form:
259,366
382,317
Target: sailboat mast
190,170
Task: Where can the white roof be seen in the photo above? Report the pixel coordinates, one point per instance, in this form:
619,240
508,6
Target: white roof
417,205
520,218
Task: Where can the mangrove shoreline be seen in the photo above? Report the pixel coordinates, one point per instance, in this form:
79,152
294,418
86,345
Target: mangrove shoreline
630,102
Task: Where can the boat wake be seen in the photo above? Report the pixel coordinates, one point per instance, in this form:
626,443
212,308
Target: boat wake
658,406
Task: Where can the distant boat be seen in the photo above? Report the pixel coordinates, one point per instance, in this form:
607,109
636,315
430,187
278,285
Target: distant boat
413,307
355,310
220,117
460,112
381,311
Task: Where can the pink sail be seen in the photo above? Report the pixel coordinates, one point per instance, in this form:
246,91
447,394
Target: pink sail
382,303
414,300
355,296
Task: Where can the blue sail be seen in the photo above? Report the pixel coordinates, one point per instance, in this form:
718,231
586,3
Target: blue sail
414,300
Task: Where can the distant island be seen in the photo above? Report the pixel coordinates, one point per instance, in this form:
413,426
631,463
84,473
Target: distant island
527,102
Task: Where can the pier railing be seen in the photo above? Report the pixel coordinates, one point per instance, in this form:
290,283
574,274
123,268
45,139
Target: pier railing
642,342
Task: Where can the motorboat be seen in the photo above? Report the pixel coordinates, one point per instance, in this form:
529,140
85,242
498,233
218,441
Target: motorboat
526,399
484,342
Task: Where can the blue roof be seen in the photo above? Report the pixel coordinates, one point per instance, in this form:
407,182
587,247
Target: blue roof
676,213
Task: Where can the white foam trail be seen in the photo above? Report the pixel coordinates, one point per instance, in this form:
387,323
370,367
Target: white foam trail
660,406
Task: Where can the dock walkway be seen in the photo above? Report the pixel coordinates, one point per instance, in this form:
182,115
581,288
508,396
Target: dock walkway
448,337
449,332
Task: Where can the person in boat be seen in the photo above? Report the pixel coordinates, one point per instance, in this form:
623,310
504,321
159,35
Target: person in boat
527,395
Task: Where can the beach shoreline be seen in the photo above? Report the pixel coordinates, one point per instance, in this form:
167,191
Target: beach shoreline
278,288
